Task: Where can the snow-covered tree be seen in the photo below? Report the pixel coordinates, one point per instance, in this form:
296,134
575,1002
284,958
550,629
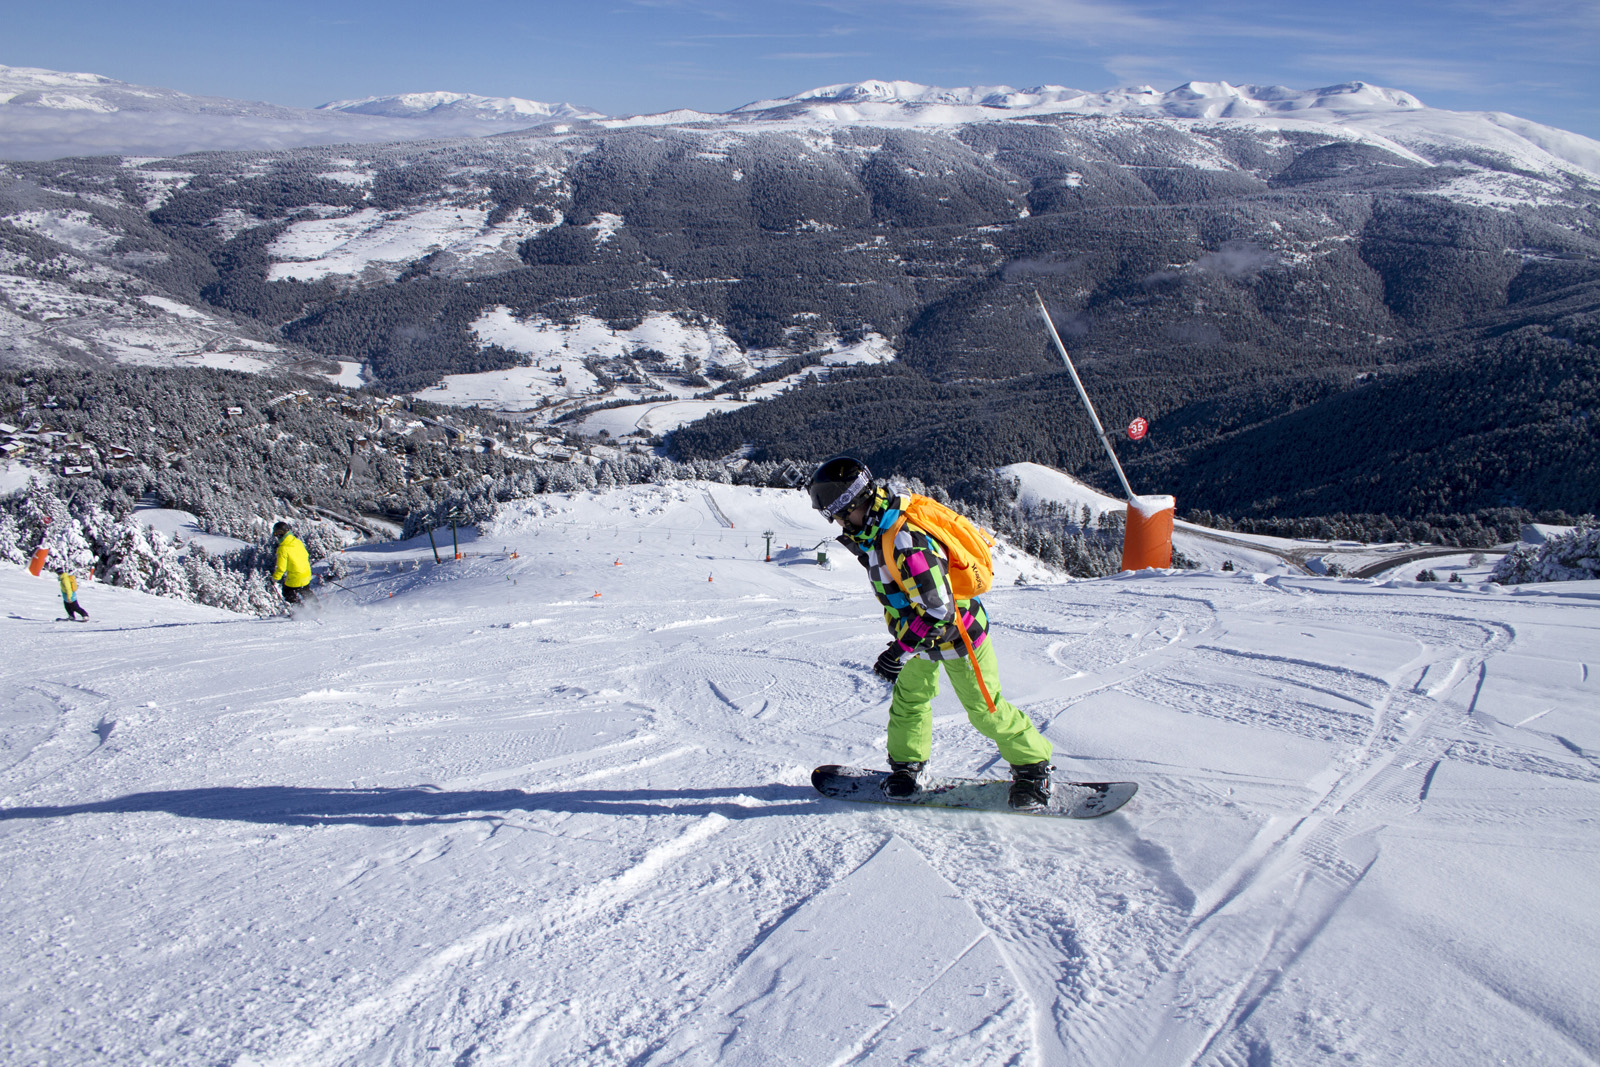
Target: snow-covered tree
1570,557
131,558
11,539
207,583
322,540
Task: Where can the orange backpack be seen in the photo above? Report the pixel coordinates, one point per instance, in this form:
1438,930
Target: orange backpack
971,567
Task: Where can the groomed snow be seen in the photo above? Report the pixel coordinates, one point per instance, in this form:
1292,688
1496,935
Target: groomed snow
476,813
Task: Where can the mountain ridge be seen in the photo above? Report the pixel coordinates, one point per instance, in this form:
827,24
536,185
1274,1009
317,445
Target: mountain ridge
47,114
441,103
1218,276
1369,111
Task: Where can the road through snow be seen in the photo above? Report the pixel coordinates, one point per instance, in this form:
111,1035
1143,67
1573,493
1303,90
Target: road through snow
476,813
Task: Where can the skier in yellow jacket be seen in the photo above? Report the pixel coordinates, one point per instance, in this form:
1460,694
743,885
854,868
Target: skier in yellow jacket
293,566
69,595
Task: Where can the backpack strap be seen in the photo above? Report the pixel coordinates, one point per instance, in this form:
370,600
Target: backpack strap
886,550
972,654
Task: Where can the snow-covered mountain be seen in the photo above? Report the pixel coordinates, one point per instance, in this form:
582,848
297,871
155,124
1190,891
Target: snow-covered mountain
64,93
438,105
553,808
1190,100
46,114
1385,117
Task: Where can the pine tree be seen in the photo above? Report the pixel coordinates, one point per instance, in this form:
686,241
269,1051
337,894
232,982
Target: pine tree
11,540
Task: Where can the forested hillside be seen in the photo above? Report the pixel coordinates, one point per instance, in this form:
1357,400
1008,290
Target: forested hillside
241,451
1501,422
1312,323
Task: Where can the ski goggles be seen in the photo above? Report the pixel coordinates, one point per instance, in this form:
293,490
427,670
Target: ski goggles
841,503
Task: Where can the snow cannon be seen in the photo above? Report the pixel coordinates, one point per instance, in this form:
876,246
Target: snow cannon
1147,536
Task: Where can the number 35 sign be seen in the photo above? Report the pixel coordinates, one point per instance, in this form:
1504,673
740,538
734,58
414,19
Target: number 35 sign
1137,429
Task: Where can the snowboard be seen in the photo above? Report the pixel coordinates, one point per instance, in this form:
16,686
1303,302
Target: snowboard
1068,800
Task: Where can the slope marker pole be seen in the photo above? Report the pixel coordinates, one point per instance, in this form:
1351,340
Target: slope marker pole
1083,394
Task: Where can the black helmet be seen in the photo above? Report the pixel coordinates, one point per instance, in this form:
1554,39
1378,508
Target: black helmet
279,529
839,484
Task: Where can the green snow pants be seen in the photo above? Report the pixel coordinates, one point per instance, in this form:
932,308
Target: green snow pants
911,710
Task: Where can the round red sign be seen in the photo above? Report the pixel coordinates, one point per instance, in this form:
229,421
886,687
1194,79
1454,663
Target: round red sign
1138,428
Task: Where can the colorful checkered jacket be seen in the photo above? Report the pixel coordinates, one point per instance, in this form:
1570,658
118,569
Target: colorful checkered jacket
923,622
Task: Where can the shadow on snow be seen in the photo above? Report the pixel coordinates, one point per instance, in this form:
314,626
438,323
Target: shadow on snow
408,805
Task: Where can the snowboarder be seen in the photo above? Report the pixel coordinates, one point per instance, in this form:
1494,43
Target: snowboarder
927,634
69,595
293,566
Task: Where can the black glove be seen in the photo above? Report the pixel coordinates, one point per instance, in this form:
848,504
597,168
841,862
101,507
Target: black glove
888,665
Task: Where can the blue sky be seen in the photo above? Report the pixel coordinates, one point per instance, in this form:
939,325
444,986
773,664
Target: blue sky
1533,58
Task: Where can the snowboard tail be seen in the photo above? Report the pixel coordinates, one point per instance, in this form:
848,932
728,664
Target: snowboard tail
1068,800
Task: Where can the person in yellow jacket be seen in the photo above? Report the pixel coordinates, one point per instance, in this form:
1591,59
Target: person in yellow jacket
293,566
69,595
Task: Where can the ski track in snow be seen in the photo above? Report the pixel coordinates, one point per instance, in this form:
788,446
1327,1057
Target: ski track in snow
493,819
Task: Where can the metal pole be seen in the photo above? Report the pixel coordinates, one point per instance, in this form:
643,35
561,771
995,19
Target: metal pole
1083,394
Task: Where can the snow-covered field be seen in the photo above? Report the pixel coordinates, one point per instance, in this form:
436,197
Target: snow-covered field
147,329
349,243
557,379
183,527
476,813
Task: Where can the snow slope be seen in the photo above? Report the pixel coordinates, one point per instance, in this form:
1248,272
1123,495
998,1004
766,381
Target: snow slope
1038,484
475,813
183,527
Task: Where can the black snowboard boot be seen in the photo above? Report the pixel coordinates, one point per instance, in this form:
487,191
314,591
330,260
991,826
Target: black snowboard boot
1030,785
903,775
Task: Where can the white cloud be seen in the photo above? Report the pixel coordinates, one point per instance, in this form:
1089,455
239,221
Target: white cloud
1413,72
817,56
1131,69
1086,20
